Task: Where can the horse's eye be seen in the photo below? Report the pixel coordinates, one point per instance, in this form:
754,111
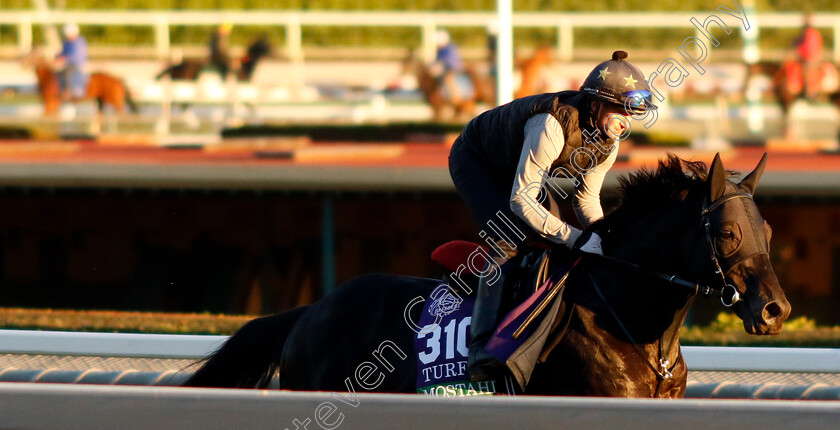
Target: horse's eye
727,238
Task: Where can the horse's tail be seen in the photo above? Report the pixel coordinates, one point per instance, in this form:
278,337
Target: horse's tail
250,358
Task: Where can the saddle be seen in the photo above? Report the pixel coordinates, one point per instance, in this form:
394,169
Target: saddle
533,305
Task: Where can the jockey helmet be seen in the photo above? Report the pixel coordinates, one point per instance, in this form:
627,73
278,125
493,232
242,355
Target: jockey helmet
619,82
71,30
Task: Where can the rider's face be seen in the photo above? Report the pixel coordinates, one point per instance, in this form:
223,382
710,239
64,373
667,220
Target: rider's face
613,121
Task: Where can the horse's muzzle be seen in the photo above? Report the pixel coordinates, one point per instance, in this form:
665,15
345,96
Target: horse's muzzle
763,306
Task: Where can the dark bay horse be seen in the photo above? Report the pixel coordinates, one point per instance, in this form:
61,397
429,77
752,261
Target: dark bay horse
190,69
623,324
102,87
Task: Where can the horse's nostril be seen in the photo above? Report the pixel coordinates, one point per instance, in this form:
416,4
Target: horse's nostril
772,311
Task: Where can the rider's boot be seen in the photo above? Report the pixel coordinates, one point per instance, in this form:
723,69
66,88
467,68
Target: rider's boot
482,365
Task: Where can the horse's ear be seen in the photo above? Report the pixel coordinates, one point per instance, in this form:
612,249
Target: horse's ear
717,179
750,181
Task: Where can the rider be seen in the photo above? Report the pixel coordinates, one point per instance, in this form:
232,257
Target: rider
448,65
809,45
503,157
219,51
71,62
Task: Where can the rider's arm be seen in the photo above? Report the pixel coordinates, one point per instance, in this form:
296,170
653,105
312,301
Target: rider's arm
543,143
587,201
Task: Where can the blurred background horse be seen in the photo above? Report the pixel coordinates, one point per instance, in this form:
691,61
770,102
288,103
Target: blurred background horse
789,83
102,87
190,69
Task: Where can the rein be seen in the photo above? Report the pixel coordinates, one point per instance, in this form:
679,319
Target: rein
697,287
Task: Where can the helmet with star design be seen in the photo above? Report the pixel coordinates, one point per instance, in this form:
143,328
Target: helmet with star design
619,82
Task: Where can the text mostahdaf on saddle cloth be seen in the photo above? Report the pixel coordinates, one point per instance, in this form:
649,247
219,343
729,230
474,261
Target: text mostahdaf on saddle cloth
443,343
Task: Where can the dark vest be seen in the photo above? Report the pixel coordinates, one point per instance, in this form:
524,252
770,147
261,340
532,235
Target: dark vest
496,136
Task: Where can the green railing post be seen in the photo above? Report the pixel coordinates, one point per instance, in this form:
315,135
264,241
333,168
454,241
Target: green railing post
327,243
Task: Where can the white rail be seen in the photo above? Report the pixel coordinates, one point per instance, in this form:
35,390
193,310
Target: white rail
293,21
746,359
108,344
57,406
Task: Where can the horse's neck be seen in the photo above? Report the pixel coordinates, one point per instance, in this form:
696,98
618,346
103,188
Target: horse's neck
657,243
44,74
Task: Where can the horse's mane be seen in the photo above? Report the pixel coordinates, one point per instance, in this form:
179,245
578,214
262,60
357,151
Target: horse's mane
647,190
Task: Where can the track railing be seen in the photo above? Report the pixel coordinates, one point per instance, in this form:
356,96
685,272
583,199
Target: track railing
293,22
58,406
741,359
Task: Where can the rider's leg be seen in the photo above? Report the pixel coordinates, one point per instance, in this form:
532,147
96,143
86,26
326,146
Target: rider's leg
487,312
77,82
64,85
811,79
452,87
488,203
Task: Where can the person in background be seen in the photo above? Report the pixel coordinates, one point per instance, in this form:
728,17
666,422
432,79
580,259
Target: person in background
220,51
448,66
809,53
72,63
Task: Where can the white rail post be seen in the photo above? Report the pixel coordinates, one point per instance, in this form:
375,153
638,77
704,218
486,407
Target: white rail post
25,35
294,51
837,41
427,36
751,55
294,40
162,43
504,52
565,40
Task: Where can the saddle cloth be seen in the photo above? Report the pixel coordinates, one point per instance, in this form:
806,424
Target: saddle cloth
442,348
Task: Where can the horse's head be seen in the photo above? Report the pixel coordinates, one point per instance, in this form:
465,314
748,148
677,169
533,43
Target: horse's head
739,239
36,58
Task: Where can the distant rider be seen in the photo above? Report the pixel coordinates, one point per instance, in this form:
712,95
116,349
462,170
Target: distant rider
449,67
220,51
809,53
72,63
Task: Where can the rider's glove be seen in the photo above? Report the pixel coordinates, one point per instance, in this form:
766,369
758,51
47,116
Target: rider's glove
589,242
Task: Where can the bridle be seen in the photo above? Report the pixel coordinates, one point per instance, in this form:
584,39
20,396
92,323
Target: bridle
735,297
727,292
664,370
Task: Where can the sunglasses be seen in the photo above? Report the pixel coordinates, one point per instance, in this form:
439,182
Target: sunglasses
638,99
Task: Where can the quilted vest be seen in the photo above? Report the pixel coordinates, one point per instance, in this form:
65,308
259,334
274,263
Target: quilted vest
496,136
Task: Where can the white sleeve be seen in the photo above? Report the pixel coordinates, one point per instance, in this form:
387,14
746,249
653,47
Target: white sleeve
543,144
587,201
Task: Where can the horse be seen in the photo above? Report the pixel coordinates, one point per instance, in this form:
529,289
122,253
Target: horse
190,69
622,324
789,83
435,94
102,87
532,70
